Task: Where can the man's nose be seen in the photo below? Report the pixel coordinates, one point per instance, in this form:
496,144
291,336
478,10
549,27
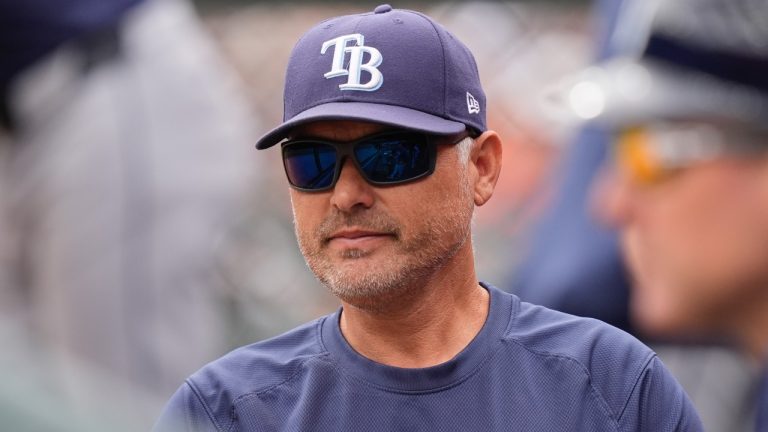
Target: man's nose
351,189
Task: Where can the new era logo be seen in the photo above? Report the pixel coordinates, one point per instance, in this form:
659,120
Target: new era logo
472,104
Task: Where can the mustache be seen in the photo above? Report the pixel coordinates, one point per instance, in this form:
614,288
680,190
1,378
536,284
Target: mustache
367,220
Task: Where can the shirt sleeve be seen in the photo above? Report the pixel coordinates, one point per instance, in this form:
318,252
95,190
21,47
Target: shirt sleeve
659,404
185,412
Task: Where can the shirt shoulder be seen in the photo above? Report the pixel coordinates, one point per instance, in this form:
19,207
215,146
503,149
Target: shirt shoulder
594,346
624,373
207,398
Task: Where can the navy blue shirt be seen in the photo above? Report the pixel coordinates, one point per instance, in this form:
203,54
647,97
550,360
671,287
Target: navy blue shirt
528,369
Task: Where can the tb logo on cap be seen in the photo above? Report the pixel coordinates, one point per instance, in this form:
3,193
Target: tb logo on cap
356,64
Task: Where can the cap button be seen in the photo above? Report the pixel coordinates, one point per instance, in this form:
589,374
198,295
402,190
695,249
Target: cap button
382,9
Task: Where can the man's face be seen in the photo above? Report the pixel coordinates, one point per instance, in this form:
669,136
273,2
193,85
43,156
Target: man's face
696,242
368,243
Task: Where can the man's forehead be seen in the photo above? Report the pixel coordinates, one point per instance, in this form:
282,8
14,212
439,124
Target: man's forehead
337,130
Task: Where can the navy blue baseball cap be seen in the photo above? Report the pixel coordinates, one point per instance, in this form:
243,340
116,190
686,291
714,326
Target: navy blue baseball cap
390,66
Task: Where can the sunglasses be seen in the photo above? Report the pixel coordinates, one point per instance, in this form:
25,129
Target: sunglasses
388,158
650,154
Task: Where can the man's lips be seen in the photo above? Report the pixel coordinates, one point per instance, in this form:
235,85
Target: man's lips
356,237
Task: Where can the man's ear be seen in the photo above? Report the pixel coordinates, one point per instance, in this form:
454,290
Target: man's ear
485,165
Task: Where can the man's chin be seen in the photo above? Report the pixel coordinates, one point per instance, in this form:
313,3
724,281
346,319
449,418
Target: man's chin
353,254
366,282
369,293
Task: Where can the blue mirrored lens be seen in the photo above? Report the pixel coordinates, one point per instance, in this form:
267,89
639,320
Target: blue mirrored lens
310,165
392,159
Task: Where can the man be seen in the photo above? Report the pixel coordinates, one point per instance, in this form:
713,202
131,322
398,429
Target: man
690,115
386,167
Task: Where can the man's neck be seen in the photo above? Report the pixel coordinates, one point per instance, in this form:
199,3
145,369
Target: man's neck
439,319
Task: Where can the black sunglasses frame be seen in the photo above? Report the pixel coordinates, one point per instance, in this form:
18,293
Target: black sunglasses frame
347,149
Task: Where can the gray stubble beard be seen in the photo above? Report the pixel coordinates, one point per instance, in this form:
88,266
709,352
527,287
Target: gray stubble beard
421,257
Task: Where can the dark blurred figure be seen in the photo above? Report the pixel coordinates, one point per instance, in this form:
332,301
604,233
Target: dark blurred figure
124,157
687,107
574,264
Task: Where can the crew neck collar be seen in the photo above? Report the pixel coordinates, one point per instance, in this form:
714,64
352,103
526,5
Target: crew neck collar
415,380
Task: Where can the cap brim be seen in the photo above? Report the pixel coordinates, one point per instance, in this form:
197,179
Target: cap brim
390,115
624,91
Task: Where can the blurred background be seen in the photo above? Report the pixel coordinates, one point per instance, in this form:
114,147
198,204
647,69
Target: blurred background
142,235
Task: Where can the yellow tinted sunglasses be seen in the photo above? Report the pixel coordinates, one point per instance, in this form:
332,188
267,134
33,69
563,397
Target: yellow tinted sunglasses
651,153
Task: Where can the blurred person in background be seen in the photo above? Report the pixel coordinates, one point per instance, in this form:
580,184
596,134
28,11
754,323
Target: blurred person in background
575,263
387,152
123,160
688,111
